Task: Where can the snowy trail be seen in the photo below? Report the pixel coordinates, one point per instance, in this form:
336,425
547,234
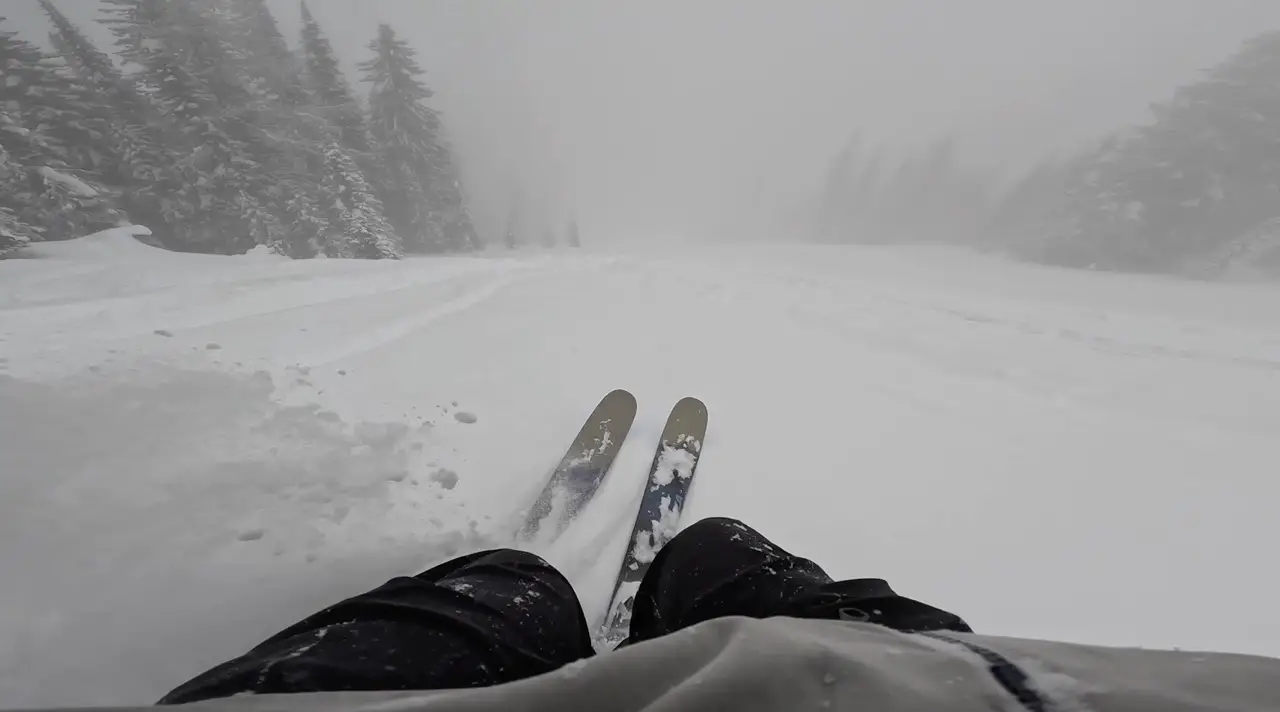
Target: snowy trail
1047,453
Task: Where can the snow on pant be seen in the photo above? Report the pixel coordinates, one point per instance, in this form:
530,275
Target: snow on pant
502,615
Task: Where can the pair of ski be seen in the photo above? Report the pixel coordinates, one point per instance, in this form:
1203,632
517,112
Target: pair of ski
584,465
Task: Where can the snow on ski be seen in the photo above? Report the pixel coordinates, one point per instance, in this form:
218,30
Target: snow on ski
658,517
574,481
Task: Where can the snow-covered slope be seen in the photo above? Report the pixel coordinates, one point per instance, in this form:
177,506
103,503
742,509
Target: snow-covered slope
196,451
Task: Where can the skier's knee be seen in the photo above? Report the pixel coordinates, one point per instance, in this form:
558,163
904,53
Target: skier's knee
712,529
511,556
487,557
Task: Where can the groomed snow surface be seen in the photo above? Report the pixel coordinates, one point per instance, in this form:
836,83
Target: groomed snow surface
196,451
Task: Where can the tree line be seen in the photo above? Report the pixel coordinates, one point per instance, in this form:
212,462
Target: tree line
1195,190
210,129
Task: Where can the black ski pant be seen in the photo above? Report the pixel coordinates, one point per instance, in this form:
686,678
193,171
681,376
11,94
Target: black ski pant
502,615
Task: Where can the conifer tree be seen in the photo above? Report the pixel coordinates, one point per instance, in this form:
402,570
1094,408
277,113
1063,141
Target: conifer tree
14,231
459,232
213,191
49,136
406,133
294,136
130,148
354,208
1202,173
331,93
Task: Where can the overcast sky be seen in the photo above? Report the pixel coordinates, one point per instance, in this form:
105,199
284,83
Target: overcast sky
701,116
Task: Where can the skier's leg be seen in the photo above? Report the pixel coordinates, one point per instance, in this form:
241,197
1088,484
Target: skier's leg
482,619
721,567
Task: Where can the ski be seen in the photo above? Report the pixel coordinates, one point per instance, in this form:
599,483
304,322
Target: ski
574,481
670,476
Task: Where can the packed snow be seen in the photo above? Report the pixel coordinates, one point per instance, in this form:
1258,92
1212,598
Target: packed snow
198,451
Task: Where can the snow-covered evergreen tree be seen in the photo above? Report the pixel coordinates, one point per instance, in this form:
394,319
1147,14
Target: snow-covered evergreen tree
131,156
72,118
1098,224
26,86
356,211
49,135
450,197
1206,169
218,136
14,231
331,92
267,59
1201,174
350,168
309,229
89,62
213,193
91,133
1255,253
420,186
293,134
405,132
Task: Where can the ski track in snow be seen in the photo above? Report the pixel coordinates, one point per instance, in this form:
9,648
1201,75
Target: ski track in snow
207,449
397,330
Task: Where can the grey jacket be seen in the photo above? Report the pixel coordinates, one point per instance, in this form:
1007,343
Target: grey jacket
790,664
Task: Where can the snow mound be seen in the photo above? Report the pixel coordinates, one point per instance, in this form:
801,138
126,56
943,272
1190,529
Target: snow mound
112,244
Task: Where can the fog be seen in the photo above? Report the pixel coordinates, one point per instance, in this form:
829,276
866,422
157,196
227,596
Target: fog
709,119
978,296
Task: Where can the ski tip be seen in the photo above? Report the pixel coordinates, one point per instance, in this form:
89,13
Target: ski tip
620,394
692,403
